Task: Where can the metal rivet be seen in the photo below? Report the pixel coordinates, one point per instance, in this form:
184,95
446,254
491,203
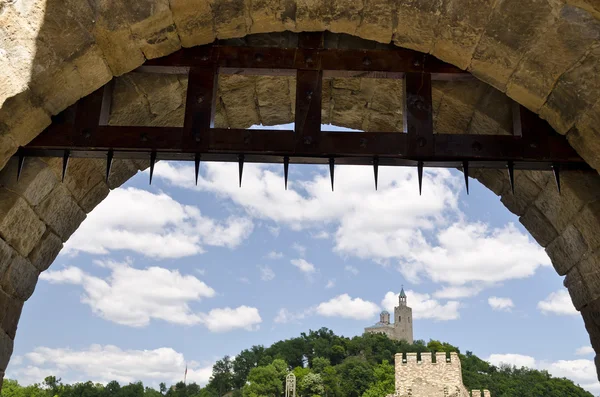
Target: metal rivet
258,57
200,99
476,146
417,63
366,61
307,140
421,142
144,138
309,59
204,58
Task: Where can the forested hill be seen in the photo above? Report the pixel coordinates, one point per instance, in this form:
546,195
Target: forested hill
325,365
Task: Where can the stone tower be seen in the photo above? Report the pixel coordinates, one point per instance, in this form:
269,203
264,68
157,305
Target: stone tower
402,328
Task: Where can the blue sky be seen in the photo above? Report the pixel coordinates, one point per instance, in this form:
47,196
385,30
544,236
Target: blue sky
171,274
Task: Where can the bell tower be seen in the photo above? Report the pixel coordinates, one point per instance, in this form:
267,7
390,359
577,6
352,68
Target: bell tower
403,321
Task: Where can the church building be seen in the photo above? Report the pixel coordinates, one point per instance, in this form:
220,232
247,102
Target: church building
402,328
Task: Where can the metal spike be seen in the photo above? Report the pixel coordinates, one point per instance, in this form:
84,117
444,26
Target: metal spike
420,175
109,160
20,163
556,169
286,167
511,175
241,166
66,156
331,170
376,170
466,172
197,166
152,162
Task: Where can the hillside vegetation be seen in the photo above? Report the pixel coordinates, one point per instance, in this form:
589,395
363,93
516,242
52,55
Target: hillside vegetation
325,365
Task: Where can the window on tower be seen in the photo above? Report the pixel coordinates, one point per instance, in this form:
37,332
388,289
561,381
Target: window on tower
399,318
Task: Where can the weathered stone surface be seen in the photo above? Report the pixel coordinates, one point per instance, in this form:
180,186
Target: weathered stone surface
589,268
459,28
94,196
585,136
230,17
416,22
237,92
20,278
577,289
574,93
6,255
495,180
194,21
82,174
376,23
36,182
22,119
587,222
566,250
271,16
457,106
557,49
524,197
8,146
19,224
345,15
273,96
539,226
121,171
60,212
6,349
513,27
10,312
312,15
45,251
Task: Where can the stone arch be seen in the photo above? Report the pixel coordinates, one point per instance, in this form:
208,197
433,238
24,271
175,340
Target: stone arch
542,53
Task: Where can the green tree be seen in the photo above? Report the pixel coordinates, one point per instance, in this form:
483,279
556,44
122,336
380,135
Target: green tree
263,381
384,381
222,376
311,385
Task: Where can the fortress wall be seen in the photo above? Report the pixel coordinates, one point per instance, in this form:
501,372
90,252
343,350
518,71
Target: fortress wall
439,374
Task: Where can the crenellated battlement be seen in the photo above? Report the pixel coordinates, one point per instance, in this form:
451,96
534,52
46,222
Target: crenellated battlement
431,374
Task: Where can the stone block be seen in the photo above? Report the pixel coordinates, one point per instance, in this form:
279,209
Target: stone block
237,92
194,21
94,197
512,28
19,224
273,99
560,47
271,16
585,136
587,221
377,23
36,182
6,349
312,15
230,18
567,249
524,196
121,171
495,180
120,50
23,118
345,15
82,174
461,24
589,269
45,251
416,20
157,33
538,226
6,255
60,212
10,312
8,145
20,278
574,93
580,295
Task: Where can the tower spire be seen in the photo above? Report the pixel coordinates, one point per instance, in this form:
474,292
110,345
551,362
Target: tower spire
402,297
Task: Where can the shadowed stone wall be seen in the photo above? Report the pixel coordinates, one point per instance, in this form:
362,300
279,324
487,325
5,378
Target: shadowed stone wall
542,53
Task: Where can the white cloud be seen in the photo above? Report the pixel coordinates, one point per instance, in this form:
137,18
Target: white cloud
517,360
468,253
275,255
304,266
227,319
266,273
284,316
423,306
299,248
133,297
558,302
501,304
244,280
351,269
584,351
322,235
346,307
153,225
105,363
424,235
582,372
330,284
454,292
